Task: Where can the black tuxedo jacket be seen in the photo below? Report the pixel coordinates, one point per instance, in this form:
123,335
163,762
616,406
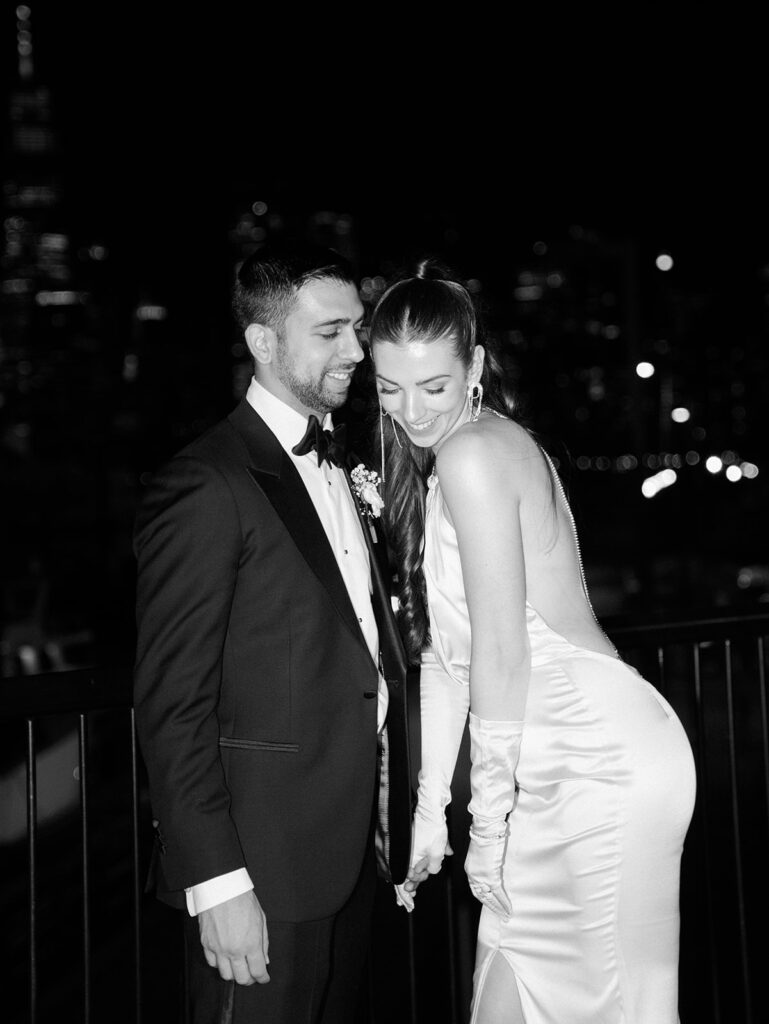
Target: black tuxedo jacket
255,691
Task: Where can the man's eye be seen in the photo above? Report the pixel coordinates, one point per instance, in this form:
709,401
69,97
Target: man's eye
362,333
331,336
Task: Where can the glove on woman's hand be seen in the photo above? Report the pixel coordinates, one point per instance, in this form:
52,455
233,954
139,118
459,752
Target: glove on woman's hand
443,710
494,752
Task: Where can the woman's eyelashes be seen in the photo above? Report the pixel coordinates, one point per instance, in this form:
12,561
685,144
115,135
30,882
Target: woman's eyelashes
428,391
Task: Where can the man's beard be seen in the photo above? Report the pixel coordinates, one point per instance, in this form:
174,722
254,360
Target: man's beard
312,394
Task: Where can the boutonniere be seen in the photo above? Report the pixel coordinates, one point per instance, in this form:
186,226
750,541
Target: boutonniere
365,483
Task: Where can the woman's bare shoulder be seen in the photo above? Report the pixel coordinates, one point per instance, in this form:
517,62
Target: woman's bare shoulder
493,451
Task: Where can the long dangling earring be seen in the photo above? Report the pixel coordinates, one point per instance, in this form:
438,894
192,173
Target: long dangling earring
395,431
475,400
381,439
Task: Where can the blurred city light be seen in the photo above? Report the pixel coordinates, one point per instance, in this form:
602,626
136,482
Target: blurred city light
645,370
652,485
58,298
259,208
148,312
528,293
749,470
713,464
680,414
733,473
692,458
130,367
664,261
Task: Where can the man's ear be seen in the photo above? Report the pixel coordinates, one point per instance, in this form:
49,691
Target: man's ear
261,342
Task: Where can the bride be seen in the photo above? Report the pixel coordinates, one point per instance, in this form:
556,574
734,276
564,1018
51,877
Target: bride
582,779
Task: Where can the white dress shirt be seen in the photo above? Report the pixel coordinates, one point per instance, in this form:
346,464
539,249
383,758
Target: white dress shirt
334,504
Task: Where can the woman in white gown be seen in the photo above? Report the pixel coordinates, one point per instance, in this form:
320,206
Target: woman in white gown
582,779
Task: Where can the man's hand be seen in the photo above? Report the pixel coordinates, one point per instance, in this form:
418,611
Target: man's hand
234,938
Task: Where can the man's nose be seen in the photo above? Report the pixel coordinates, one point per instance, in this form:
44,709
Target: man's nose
349,346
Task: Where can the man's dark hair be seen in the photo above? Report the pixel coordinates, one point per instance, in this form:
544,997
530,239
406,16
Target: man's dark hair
266,282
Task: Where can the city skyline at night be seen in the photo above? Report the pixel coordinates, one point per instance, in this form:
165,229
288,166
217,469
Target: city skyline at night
633,317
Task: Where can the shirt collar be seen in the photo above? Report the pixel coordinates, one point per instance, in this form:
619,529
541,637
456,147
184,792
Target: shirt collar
286,423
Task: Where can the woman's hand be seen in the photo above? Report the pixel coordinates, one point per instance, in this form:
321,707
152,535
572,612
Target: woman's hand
429,845
483,865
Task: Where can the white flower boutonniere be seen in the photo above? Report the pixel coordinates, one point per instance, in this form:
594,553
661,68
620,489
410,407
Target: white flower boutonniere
365,483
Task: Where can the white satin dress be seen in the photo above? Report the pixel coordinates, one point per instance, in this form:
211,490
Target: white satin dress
606,789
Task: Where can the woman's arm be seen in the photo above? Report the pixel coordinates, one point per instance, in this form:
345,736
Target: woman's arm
482,480
482,497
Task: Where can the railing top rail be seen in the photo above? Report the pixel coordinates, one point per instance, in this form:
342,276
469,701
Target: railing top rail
73,690
694,630
99,687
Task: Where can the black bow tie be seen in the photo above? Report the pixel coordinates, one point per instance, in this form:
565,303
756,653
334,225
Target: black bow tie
329,444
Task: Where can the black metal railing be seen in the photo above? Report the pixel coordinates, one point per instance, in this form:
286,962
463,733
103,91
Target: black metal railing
75,830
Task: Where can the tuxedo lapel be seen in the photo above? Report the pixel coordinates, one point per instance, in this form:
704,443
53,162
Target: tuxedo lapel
274,473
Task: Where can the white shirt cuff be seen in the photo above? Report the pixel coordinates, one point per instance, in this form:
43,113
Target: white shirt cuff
217,890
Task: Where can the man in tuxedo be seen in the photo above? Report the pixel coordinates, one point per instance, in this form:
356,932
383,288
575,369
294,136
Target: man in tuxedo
267,660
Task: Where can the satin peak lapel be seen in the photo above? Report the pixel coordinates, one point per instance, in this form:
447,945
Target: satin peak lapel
288,496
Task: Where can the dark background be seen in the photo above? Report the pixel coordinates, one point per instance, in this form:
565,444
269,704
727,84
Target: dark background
147,151
550,170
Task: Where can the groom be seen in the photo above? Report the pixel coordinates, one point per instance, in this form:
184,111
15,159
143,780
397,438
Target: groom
267,658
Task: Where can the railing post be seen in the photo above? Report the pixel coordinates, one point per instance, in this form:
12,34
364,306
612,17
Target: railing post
737,833
137,888
32,858
83,777
702,796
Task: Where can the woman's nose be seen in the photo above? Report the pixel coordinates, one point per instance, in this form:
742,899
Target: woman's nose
412,407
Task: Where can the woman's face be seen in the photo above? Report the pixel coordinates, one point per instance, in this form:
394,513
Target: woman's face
423,385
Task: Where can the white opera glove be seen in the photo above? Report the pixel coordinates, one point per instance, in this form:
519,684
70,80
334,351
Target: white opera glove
494,751
444,704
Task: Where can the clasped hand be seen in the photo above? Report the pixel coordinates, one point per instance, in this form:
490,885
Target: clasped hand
429,845
234,938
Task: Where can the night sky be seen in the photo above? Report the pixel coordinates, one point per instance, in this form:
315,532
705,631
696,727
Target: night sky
167,121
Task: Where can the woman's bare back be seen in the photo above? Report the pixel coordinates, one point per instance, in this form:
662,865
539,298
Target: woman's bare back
555,585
